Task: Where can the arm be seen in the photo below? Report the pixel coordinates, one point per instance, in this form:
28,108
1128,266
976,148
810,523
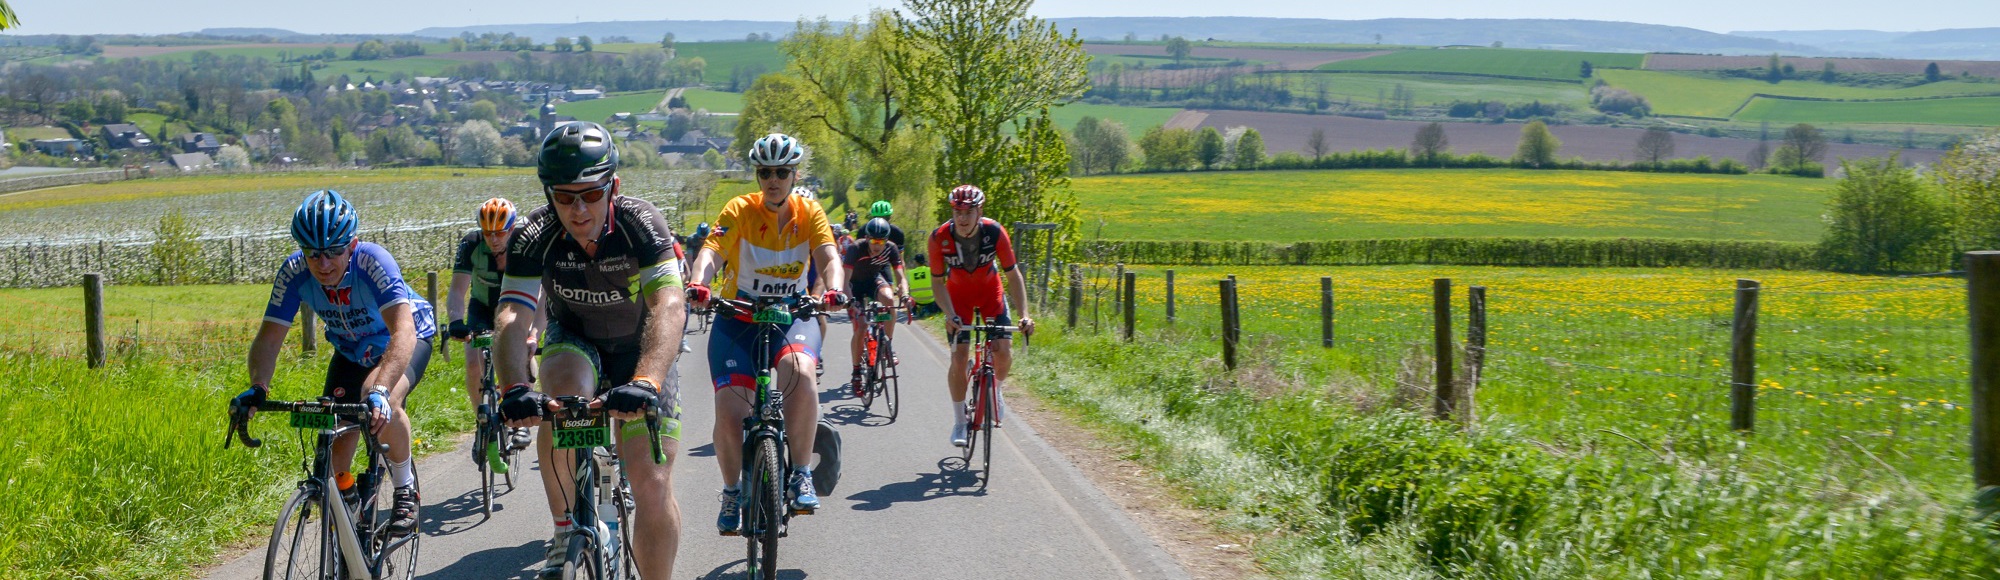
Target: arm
1017,293
264,352
513,325
401,320
460,293
666,320
831,273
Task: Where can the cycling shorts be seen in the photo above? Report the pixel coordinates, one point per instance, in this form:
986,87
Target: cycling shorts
732,348
617,366
965,336
347,381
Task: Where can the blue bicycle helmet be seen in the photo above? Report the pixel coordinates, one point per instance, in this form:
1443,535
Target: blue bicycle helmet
324,221
701,231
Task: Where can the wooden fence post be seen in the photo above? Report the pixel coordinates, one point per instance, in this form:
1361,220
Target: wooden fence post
1117,294
1170,296
1475,338
1444,399
1982,283
93,317
1326,311
1075,293
1228,298
1131,281
1743,358
308,333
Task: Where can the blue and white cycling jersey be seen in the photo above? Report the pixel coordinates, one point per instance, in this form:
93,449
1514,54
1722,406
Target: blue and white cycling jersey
352,310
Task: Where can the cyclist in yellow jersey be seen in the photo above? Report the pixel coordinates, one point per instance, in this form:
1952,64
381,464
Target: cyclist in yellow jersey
764,243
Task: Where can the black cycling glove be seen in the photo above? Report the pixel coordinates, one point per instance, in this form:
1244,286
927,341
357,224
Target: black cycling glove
460,330
522,402
632,397
249,400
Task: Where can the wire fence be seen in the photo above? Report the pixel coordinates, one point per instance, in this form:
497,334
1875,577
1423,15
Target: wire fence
1851,371
140,323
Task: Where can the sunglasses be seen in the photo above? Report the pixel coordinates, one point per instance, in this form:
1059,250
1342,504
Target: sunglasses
774,173
589,195
325,254
877,241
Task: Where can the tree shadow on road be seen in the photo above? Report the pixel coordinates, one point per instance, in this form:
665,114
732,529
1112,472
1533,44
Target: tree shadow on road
522,562
947,482
737,568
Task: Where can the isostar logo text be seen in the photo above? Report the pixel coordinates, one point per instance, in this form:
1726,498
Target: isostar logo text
574,423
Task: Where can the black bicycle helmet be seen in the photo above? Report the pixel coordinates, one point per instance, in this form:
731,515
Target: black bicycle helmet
876,229
576,152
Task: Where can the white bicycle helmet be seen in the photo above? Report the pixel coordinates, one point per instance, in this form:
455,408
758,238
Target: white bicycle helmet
801,191
776,149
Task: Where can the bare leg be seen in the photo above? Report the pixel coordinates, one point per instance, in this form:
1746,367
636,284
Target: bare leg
656,530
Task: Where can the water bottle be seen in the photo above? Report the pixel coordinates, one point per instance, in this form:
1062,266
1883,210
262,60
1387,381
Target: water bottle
607,503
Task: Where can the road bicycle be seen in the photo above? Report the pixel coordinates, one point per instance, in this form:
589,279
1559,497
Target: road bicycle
983,400
880,378
765,503
491,445
323,534
599,547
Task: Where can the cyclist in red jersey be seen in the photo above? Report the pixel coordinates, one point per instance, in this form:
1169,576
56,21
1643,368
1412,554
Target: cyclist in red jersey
968,256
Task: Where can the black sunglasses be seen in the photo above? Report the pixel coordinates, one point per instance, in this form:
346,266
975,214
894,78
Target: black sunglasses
327,253
774,173
589,195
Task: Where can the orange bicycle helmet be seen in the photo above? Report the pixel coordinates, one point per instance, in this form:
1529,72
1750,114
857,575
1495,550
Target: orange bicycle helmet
496,215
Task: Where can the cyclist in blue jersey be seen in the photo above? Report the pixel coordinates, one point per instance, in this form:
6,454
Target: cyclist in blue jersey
378,326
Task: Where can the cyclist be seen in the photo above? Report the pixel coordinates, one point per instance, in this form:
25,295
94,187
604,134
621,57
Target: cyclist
379,327
603,266
922,304
766,238
851,220
875,271
969,253
482,258
882,209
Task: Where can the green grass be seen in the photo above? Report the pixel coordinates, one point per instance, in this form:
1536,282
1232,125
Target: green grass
42,132
1135,119
304,181
381,70
713,101
119,472
1284,206
1593,457
1545,64
1982,111
1689,94
271,53
1435,89
596,110
724,57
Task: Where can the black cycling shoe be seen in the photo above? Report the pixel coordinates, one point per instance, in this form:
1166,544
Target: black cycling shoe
403,518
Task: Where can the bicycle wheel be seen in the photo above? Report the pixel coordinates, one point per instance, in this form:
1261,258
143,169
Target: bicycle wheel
482,448
989,411
581,562
301,545
765,511
974,404
888,386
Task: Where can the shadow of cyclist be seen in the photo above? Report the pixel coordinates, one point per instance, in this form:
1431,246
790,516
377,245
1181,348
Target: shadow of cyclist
516,562
947,482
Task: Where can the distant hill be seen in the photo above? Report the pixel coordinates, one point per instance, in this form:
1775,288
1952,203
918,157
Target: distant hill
271,32
639,30
1956,43
1594,35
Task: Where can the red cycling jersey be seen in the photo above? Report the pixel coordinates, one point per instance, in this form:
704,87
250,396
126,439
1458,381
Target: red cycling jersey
971,267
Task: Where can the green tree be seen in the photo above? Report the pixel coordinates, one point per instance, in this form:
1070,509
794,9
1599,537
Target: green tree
1208,148
1250,149
1655,146
667,41
1430,145
1774,70
1587,70
972,67
369,50
1099,146
1932,74
1969,176
854,92
780,103
1538,146
478,144
176,253
8,20
1826,74
1883,218
1179,48
1167,149
1801,144
583,43
111,107
79,110
563,44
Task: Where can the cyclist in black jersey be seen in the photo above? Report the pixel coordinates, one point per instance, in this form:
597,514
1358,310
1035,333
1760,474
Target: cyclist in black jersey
475,289
604,267
874,272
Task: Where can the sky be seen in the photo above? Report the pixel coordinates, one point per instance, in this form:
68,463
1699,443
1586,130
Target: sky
398,16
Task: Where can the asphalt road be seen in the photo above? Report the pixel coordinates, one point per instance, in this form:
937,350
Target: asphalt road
904,508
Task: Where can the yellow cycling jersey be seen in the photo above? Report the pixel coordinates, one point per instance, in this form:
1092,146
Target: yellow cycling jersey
762,257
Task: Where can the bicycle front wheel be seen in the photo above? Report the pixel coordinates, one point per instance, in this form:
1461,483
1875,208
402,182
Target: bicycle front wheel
581,562
765,512
302,543
891,395
989,414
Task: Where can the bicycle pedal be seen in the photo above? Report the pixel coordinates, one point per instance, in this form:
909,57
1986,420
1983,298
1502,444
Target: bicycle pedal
800,512
732,533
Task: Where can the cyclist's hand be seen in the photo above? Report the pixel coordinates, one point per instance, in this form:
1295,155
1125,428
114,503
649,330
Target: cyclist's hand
460,331
699,295
627,401
832,301
1027,326
379,411
244,406
523,406
953,326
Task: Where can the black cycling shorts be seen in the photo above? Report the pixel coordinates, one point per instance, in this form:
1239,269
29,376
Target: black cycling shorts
346,380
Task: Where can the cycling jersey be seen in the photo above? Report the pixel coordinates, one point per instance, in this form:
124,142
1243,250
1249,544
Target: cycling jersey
767,258
971,267
352,309
593,297
896,236
475,259
863,264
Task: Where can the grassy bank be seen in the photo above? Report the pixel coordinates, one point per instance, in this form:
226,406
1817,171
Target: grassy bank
1601,448
120,472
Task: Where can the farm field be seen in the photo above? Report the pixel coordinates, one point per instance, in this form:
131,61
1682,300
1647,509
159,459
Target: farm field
1284,206
1984,68
1957,111
153,415
724,57
713,101
39,132
1434,89
156,125
1543,64
1695,96
273,52
599,109
381,70
1289,132
1137,120
1288,57
1603,448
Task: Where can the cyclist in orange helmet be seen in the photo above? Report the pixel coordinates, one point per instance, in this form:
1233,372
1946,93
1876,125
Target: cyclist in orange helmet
475,278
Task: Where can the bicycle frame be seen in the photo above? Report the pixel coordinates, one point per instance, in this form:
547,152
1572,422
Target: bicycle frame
583,511
349,531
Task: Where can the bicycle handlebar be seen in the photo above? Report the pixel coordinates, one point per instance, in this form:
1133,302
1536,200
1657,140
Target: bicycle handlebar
239,426
578,407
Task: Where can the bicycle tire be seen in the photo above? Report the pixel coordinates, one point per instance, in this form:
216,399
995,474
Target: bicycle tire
481,447
766,508
973,405
988,415
580,561
299,516
889,386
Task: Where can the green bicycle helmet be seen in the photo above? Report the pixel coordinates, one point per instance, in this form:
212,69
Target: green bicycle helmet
881,209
